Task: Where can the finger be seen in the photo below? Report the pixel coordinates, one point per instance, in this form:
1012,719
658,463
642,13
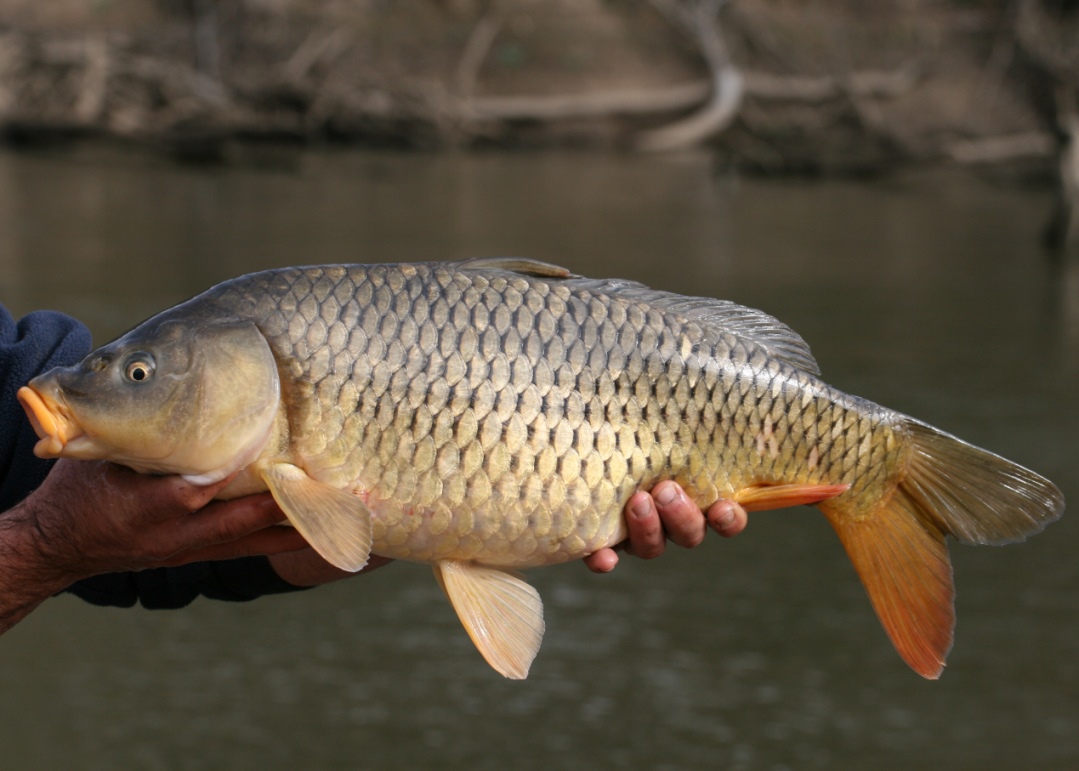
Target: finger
603,561
680,516
307,568
646,537
727,518
217,525
224,521
194,497
168,493
266,542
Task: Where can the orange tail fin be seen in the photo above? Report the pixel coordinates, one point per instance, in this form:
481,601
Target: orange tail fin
898,547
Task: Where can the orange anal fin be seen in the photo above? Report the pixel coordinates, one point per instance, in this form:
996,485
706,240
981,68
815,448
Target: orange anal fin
764,497
903,563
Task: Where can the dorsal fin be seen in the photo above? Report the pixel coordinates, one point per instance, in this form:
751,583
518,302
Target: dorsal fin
780,340
520,265
750,324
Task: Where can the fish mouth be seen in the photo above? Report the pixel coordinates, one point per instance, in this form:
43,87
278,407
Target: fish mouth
54,425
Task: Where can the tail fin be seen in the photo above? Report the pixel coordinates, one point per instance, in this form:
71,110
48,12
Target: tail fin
898,548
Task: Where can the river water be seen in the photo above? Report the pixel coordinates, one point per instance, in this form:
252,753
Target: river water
927,293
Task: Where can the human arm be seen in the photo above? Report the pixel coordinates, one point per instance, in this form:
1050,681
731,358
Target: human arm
88,519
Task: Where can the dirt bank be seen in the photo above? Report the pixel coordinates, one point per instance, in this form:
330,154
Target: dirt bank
832,86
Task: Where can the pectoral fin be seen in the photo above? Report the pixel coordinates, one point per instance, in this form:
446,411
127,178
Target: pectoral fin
335,522
501,612
764,497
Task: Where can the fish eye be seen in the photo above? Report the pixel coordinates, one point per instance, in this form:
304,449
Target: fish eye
139,369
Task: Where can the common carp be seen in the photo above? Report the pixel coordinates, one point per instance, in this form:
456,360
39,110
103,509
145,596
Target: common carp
496,414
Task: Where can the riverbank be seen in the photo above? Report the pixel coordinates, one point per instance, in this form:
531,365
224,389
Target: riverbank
831,87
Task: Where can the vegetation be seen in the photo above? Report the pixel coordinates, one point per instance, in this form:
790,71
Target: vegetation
775,86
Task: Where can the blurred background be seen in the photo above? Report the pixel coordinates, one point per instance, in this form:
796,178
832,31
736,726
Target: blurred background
893,179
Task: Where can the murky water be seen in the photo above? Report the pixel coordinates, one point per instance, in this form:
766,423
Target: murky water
927,294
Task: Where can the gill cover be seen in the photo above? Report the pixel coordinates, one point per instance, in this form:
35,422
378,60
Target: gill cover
237,401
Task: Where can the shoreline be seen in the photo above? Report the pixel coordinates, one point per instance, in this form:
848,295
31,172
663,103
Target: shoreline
829,89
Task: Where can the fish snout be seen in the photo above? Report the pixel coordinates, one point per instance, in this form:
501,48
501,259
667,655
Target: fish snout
53,424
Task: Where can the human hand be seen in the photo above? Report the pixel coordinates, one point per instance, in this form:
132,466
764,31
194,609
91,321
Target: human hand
96,517
89,518
667,512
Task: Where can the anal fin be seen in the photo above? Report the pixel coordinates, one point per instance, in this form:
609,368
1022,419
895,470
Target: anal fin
765,497
501,612
335,522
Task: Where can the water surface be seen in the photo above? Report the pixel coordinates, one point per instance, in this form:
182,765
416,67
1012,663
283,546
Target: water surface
926,293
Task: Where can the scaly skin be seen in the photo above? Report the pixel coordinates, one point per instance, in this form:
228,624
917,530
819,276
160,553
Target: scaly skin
505,418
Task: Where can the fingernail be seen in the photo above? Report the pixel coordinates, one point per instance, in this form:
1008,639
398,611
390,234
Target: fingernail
667,495
641,507
724,522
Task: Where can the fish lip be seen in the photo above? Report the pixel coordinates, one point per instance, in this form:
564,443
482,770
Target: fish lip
54,425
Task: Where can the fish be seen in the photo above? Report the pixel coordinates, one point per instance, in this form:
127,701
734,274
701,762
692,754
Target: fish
495,414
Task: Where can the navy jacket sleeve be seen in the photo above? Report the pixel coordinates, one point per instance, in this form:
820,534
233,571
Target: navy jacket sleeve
38,342
47,339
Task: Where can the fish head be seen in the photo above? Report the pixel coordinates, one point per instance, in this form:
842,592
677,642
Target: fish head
179,394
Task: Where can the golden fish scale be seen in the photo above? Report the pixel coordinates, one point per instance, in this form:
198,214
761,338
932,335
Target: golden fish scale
503,418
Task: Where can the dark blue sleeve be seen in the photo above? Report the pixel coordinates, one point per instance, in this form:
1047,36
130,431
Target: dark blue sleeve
39,342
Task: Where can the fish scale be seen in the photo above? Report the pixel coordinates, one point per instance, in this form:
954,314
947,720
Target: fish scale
496,414
409,349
